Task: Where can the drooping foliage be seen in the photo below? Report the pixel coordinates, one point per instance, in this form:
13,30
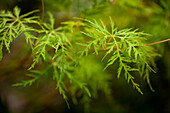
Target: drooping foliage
67,52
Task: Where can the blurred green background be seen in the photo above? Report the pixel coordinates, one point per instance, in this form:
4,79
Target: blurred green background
150,16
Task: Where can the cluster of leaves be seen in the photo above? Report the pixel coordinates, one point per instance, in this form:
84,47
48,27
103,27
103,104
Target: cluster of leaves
54,49
127,46
58,49
90,72
13,24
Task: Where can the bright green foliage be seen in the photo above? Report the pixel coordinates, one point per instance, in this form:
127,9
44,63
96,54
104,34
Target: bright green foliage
127,46
62,49
91,74
54,38
36,77
12,25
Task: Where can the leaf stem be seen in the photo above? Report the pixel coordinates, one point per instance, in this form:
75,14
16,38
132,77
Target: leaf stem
42,12
147,44
158,42
42,19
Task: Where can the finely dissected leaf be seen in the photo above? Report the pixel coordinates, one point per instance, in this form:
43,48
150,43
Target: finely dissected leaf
61,90
7,14
13,26
26,82
29,13
52,20
53,38
57,53
111,60
130,77
112,26
54,48
17,11
29,38
148,80
119,70
88,92
35,76
135,85
1,54
130,51
127,45
89,35
109,50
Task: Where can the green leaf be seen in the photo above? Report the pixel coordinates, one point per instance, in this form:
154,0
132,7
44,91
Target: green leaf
148,80
87,90
111,60
31,75
130,77
52,20
119,70
112,26
109,50
29,13
1,53
129,51
7,14
17,11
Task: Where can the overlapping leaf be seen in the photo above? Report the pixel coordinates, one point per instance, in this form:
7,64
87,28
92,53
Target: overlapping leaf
52,38
13,24
126,46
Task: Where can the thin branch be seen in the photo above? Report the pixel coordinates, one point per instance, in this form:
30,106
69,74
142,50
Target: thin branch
41,20
115,48
158,42
42,12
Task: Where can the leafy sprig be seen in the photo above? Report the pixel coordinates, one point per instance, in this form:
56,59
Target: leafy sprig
13,24
127,46
53,38
35,75
57,49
